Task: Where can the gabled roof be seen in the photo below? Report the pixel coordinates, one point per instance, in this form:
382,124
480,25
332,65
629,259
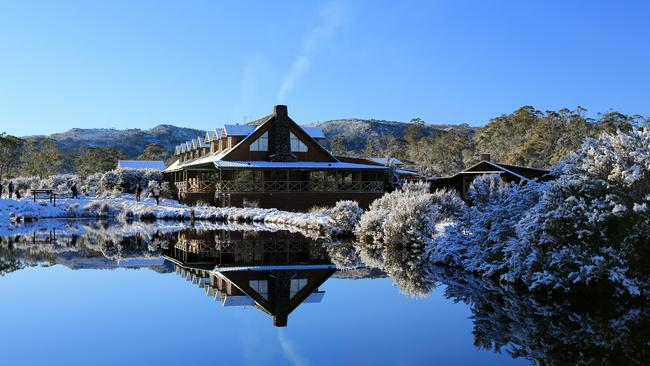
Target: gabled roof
238,130
216,135
385,161
208,138
491,167
199,143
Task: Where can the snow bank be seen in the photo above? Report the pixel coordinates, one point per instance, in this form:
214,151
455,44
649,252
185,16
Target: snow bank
126,209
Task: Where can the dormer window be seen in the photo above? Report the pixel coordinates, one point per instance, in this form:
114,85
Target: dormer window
261,144
297,145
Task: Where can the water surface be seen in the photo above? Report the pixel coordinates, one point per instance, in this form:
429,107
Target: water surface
169,293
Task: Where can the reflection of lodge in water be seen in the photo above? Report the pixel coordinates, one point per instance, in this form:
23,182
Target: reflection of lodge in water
273,271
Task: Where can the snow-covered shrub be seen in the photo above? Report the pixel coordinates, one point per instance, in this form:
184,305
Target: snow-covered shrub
165,191
592,225
481,242
109,181
25,184
60,183
91,185
397,232
126,180
345,215
99,208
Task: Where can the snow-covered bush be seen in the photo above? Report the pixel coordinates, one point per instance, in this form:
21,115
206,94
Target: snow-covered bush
91,185
126,180
165,191
592,225
24,184
345,215
60,183
481,242
99,208
109,181
397,232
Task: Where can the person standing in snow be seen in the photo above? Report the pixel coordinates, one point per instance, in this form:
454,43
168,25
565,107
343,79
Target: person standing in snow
2,188
74,190
18,196
138,192
155,192
10,188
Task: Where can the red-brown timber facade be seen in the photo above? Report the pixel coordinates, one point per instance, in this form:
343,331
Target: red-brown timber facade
270,163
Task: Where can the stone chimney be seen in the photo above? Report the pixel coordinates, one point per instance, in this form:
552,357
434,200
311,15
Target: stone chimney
280,142
486,157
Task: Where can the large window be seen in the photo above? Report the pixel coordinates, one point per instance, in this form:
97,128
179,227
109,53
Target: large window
297,145
297,285
261,144
261,287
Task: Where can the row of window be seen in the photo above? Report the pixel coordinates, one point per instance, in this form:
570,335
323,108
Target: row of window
262,143
262,287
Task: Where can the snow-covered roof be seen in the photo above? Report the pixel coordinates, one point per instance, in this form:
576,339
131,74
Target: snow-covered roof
314,297
230,300
140,262
314,132
239,130
385,161
141,164
293,165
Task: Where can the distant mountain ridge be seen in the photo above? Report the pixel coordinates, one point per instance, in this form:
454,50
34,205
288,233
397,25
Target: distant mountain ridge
131,142
357,132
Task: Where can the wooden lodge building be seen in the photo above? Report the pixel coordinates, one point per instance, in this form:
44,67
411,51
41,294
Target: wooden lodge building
509,173
272,163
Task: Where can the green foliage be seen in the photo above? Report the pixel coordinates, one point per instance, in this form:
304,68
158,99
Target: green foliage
10,147
96,160
41,158
154,152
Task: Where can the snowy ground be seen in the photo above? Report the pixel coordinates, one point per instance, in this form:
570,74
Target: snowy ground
126,208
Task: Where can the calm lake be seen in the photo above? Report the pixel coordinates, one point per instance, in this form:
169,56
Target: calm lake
96,293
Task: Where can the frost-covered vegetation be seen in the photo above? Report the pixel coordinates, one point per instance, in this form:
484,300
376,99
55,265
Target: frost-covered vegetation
398,230
588,230
112,182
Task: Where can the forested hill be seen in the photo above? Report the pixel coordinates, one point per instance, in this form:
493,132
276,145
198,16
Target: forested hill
353,135
129,142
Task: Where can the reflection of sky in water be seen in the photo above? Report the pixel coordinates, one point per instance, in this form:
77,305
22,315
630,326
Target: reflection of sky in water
108,317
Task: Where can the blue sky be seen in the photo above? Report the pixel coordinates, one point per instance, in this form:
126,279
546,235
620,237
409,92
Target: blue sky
128,64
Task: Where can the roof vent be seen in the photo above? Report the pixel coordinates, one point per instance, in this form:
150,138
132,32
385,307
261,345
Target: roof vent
486,157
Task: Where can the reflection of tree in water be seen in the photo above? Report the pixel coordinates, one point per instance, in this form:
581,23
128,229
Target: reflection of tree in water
551,332
545,331
406,264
